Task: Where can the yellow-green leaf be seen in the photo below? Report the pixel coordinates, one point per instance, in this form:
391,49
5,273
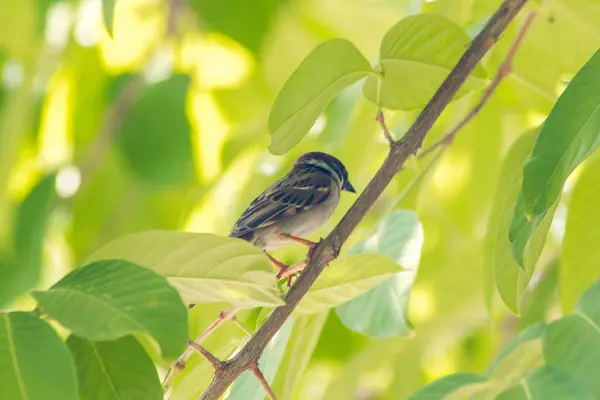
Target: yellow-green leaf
416,55
346,278
327,70
203,267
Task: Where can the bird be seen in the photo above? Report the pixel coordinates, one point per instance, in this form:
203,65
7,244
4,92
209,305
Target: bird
293,207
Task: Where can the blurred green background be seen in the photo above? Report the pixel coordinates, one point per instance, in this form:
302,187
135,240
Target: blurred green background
163,126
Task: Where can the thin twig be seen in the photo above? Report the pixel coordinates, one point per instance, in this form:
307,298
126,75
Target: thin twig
241,326
386,132
180,363
107,134
504,70
400,151
175,10
214,361
263,382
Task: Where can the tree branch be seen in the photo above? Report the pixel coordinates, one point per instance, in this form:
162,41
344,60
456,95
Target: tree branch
504,70
400,151
214,361
263,382
180,363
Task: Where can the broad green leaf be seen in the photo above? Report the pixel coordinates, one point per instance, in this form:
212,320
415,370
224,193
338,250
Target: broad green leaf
580,265
416,55
247,387
22,271
155,137
516,365
381,312
108,13
34,363
573,343
522,229
533,332
522,355
346,278
511,280
541,298
331,67
299,350
452,385
114,370
245,22
570,134
205,268
548,383
109,299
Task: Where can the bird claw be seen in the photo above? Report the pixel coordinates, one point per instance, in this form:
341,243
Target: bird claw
311,249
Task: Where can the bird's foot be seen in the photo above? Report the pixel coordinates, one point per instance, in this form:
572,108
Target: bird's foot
278,264
291,270
308,243
285,271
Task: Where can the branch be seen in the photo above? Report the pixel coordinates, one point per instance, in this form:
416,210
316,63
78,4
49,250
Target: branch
386,132
400,151
263,382
180,363
107,134
504,70
214,361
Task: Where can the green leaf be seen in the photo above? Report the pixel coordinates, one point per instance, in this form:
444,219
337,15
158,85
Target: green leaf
155,137
382,311
580,250
108,13
205,268
245,22
541,298
452,385
521,229
346,278
511,280
109,299
533,332
573,343
300,347
331,67
34,363
114,370
548,383
416,55
247,387
22,272
570,134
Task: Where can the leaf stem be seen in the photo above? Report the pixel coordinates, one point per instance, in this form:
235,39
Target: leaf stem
388,136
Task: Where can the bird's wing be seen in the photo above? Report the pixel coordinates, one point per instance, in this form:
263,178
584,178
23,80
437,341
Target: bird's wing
291,195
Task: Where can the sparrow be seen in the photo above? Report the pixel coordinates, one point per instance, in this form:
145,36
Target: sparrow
294,206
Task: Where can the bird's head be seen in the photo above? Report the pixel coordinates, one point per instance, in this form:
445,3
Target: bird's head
329,165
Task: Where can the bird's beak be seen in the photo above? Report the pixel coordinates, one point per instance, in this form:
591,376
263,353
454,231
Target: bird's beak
347,186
